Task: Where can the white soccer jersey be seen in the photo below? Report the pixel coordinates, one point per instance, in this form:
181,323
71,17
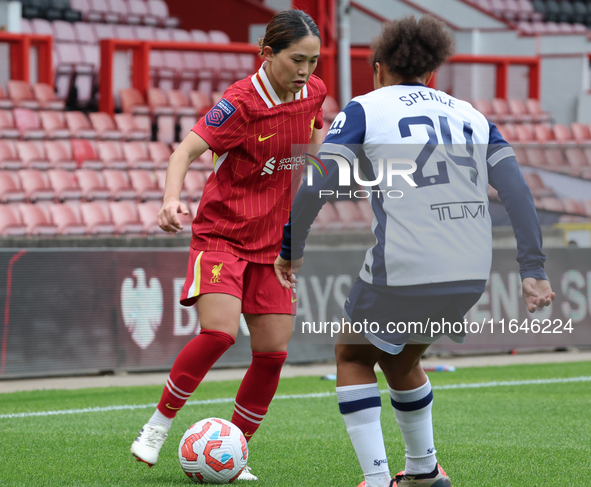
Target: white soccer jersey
439,230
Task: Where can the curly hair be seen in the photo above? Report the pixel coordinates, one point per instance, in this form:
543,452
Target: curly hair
412,48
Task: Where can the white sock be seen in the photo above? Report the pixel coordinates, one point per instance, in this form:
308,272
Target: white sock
413,414
360,406
159,419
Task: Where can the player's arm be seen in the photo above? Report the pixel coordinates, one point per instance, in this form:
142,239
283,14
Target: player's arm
178,164
307,202
506,177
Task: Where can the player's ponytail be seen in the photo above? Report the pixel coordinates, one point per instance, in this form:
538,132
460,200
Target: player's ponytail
287,27
412,48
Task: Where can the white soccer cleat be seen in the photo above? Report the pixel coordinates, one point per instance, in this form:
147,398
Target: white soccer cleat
147,445
246,475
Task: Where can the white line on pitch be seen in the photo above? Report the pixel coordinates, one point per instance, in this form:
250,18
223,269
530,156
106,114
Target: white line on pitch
476,385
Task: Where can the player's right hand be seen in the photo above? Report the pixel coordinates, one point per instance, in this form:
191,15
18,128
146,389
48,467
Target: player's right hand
168,216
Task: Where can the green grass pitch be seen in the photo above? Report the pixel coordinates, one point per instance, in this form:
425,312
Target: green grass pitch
515,435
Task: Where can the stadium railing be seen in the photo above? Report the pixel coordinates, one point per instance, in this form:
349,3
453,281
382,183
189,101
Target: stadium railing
20,55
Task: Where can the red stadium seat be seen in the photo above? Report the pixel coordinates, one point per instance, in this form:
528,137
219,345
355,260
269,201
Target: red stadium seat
501,111
127,125
536,185
555,160
85,154
5,103
180,104
7,128
586,205
200,101
10,221
520,155
45,96
137,155
524,133
59,154
132,101
83,6
10,187
194,184
576,160
66,219
112,155
21,94
9,158
551,204
105,126
507,131
119,7
125,217
28,123
148,214
138,9
65,184
124,32
36,185
64,31
159,9
519,111
145,184
32,154
543,134
54,124
103,8
85,34
483,106
79,125
159,153
118,183
158,103
581,133
572,206
562,134
350,214
37,221
536,156
97,218
92,185
534,108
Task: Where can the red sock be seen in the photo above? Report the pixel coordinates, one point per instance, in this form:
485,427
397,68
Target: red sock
190,366
256,391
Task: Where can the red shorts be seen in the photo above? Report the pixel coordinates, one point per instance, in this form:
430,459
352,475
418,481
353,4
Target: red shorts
255,284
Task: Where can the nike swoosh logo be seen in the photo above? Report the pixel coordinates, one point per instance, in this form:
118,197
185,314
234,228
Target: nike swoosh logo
170,407
294,300
261,138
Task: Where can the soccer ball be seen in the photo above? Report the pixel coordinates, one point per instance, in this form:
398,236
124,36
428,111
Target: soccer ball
213,451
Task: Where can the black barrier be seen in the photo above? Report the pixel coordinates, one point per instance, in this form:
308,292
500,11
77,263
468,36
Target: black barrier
77,311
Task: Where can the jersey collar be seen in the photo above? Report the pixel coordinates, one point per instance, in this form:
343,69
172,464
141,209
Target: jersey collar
261,82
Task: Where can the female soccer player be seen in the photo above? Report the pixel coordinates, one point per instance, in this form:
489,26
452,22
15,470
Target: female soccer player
433,238
237,230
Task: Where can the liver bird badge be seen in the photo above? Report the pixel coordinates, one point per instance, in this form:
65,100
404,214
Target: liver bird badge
141,306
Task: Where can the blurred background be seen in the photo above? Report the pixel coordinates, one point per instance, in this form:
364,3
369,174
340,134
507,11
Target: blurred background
96,94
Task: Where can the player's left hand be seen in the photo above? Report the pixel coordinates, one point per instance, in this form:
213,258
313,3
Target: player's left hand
537,293
286,270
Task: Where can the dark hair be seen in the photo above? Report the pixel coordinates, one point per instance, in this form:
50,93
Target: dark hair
410,48
286,27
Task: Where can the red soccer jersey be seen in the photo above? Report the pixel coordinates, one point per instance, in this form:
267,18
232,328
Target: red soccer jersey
247,199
